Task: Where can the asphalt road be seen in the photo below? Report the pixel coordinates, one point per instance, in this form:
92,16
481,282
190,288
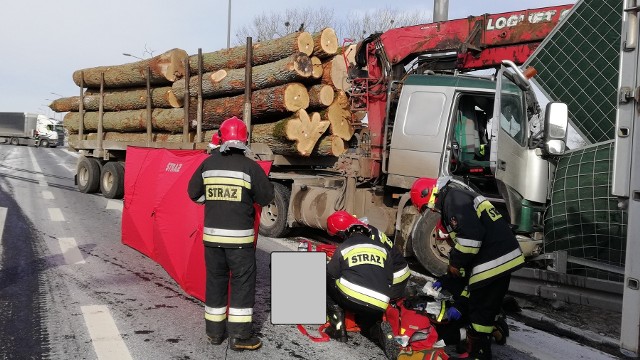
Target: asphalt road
69,289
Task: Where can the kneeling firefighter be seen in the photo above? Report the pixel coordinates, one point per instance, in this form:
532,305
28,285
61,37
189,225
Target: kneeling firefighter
486,250
359,277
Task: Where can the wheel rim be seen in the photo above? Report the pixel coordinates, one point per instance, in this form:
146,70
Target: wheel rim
440,248
269,214
83,176
107,181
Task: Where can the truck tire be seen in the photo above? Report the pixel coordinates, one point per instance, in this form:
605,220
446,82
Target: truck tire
15,141
273,220
88,175
112,180
44,143
431,253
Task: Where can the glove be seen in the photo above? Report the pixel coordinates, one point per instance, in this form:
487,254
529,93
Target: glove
453,314
437,286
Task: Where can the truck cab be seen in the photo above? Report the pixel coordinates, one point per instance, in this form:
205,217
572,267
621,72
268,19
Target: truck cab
445,125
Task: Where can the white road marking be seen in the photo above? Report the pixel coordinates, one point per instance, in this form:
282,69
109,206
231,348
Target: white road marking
3,217
36,167
114,204
106,339
70,168
70,251
47,195
42,182
55,214
72,153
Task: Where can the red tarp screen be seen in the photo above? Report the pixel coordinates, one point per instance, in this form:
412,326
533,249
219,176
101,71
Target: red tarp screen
159,219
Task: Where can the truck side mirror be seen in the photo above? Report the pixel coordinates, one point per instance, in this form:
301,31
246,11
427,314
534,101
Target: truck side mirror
556,121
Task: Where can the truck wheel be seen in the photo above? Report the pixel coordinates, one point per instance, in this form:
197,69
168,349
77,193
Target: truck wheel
112,180
273,220
433,254
88,174
14,141
44,143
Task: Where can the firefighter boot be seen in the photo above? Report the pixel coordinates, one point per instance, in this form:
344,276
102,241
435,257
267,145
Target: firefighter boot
389,345
239,344
337,328
500,330
478,347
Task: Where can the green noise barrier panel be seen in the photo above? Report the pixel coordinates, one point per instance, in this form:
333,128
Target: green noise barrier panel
578,64
584,218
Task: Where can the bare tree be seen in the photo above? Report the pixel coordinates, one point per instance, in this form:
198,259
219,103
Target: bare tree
355,25
274,25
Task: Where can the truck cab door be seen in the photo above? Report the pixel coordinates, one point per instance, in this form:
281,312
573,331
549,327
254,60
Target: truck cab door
521,174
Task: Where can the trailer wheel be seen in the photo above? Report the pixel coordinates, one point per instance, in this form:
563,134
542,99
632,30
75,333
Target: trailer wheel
273,220
430,252
112,180
44,143
15,141
88,175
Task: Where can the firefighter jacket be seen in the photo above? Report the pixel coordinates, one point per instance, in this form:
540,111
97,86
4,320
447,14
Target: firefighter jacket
229,184
486,248
363,271
400,267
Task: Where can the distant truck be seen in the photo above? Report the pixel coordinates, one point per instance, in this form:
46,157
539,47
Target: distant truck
27,129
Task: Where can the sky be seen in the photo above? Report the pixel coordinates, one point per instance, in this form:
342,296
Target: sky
45,41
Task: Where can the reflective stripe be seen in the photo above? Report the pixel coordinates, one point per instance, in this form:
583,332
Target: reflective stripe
240,311
362,248
400,276
497,266
240,315
442,312
465,293
468,246
215,314
240,318
227,174
200,200
383,239
363,294
481,204
227,181
482,328
226,236
478,200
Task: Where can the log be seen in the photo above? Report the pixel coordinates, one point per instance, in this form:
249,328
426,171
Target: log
118,101
263,52
296,135
170,120
165,69
279,100
339,116
335,73
294,68
325,43
327,145
320,96
316,73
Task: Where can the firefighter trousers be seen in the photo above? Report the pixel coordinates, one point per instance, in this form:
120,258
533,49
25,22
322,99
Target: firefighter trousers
368,318
485,304
233,269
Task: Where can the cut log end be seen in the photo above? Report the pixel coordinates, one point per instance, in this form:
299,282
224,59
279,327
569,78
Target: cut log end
305,43
218,76
175,66
338,146
302,64
326,95
296,97
329,41
317,67
173,100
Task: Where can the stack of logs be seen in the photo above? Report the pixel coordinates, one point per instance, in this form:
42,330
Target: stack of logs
299,103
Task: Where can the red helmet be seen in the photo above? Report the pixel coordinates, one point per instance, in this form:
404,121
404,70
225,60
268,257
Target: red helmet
233,129
341,221
215,139
422,193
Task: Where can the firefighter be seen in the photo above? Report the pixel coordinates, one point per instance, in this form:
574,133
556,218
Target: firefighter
401,272
359,277
228,184
485,250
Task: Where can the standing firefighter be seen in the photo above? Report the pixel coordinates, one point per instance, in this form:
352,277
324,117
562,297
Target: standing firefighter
485,250
228,184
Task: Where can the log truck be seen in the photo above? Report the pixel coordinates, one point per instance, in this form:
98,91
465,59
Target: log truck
426,117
